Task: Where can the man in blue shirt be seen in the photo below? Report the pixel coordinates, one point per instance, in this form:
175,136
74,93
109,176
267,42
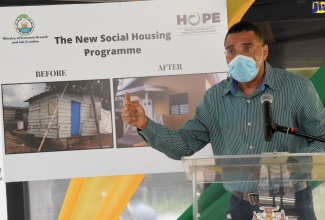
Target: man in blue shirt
230,114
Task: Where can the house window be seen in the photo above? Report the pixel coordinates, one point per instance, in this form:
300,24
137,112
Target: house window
178,104
19,115
52,105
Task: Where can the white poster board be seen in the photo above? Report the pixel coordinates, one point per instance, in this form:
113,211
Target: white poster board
98,43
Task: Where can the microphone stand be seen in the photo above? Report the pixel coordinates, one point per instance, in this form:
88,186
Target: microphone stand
275,127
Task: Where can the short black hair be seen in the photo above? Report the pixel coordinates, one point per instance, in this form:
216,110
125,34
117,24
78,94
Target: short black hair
246,26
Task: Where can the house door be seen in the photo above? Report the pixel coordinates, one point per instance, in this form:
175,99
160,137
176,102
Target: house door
75,118
147,106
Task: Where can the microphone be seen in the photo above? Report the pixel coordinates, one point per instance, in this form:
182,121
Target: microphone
269,125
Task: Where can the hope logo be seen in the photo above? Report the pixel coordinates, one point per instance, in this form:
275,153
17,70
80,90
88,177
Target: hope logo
195,18
24,25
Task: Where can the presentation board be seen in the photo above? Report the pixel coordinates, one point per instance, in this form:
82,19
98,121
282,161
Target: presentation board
65,70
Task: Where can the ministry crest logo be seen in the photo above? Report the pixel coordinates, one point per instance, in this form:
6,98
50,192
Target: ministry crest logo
24,25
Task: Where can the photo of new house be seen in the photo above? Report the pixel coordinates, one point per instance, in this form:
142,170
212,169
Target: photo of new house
168,100
57,116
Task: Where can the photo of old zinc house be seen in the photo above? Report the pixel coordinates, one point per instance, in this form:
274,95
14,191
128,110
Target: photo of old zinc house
74,121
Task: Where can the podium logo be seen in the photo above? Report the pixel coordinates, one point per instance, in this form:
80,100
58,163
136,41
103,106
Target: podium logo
24,25
318,7
195,18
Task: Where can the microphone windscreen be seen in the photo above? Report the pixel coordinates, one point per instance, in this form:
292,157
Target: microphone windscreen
266,97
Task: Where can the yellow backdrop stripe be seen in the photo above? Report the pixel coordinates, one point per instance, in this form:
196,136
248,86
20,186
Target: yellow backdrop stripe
71,198
98,198
120,195
237,9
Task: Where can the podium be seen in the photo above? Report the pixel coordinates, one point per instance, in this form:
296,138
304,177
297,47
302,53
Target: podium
272,179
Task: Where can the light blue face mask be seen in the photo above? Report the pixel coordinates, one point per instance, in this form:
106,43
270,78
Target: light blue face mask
243,68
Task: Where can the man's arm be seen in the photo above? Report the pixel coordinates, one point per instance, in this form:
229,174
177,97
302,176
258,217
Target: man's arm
192,137
310,118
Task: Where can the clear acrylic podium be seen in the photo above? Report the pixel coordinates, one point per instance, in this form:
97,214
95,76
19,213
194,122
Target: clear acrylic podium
274,177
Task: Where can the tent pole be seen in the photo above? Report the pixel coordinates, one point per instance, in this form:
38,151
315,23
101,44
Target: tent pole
95,114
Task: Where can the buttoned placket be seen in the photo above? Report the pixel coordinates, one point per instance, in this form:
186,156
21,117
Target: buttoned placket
248,124
250,121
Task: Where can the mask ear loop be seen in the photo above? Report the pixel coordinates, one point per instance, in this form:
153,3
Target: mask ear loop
261,59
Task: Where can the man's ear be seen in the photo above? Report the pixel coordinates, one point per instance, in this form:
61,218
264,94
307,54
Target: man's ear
265,51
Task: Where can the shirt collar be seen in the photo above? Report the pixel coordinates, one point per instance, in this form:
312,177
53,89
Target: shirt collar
268,80
270,76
